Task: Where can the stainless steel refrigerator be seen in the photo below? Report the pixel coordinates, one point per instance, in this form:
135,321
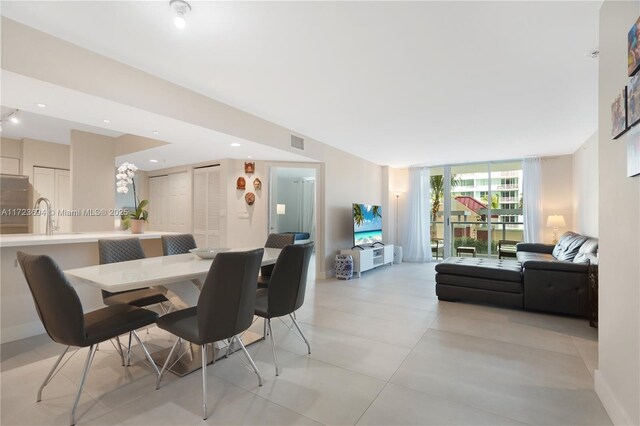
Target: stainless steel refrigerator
15,203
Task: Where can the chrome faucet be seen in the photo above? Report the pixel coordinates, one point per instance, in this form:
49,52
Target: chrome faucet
50,227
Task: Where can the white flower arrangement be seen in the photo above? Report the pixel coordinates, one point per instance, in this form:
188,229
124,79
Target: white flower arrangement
124,177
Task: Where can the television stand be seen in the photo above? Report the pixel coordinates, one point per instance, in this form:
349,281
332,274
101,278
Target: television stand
366,258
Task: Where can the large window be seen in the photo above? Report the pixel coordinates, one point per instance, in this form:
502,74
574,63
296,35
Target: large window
475,205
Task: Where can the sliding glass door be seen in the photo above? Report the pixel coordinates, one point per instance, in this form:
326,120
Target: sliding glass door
475,206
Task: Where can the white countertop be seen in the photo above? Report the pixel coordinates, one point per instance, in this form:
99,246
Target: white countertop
153,271
21,240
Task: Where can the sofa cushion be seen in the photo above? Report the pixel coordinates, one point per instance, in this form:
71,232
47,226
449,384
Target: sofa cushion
587,251
493,269
568,246
524,256
479,283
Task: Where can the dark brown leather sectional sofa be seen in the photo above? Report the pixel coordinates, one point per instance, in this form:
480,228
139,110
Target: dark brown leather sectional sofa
545,277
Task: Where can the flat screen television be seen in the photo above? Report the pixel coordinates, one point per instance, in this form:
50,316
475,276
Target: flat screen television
367,224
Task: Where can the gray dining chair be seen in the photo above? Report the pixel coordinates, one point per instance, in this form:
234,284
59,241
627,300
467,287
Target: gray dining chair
286,291
224,310
273,241
177,244
62,316
122,250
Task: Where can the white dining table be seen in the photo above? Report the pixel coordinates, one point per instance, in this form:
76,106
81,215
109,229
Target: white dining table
170,273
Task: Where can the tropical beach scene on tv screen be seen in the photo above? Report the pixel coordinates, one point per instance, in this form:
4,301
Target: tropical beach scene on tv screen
367,224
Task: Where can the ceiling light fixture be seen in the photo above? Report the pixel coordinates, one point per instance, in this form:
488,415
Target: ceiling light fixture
13,117
181,8
41,105
235,144
155,132
593,53
153,161
107,121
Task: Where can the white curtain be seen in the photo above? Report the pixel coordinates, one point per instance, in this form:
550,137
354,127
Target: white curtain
531,200
416,241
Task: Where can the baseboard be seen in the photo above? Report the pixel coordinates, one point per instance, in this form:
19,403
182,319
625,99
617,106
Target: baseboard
616,412
22,331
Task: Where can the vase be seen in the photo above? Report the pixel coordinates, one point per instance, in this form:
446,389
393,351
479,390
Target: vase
137,226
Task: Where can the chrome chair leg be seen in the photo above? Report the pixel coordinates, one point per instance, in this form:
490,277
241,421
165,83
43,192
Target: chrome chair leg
87,366
273,346
229,344
146,353
166,363
301,333
50,375
264,329
120,351
129,350
253,364
204,382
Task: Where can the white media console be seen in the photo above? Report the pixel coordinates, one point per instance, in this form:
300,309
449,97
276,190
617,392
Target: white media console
370,257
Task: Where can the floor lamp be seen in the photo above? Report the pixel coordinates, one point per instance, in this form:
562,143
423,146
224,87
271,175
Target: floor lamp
397,249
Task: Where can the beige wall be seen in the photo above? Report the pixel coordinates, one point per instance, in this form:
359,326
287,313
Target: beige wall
37,153
398,181
617,379
93,182
557,192
585,187
11,148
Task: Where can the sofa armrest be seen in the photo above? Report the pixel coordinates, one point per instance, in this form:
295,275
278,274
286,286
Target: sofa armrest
556,266
535,247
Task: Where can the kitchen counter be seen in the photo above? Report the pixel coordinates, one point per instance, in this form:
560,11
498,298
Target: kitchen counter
22,240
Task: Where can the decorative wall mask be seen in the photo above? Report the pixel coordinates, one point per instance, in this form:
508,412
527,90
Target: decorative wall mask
241,183
250,198
249,168
257,184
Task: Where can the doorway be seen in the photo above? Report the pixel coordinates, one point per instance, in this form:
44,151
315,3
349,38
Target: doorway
292,201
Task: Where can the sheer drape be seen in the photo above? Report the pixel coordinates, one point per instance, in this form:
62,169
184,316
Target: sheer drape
531,200
416,241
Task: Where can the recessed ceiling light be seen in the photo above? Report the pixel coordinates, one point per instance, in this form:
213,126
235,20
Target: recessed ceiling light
107,121
248,156
235,144
153,161
41,105
155,132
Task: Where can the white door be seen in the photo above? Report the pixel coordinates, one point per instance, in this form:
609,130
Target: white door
55,185
62,200
206,206
158,203
179,209
44,185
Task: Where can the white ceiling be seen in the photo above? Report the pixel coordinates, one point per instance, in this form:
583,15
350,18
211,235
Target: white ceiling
45,128
397,83
188,143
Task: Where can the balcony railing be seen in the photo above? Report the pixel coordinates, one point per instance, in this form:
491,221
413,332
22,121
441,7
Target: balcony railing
507,231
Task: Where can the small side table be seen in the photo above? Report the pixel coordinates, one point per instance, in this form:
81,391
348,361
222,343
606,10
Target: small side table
593,295
468,250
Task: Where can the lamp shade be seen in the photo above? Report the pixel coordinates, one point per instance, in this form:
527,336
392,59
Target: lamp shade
281,208
555,221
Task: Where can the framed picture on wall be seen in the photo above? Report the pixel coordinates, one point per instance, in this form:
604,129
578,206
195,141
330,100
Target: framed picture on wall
633,48
619,115
633,153
633,101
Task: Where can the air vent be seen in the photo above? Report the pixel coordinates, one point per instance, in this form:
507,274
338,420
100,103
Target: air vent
297,142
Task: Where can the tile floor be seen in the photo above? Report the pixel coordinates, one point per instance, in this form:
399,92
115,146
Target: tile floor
384,351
